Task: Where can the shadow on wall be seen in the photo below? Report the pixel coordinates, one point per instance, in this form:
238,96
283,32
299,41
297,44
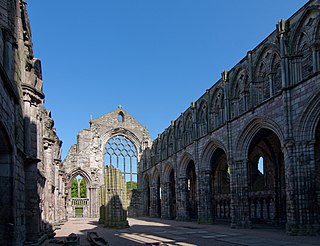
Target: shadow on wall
113,214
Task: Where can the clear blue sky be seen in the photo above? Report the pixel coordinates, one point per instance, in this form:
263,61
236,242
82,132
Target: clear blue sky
151,56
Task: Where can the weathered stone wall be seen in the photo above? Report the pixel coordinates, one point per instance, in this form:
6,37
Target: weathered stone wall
86,157
29,176
114,204
266,106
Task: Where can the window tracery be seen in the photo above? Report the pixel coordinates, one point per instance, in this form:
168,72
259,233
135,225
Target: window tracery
120,152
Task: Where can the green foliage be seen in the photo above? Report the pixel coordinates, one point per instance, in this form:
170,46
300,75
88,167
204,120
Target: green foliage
134,185
74,189
78,212
83,189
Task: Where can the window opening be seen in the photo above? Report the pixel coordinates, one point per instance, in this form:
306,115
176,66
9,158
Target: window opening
120,117
121,153
261,165
78,187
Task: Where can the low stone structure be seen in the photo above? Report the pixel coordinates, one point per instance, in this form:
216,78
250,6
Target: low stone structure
248,150
114,206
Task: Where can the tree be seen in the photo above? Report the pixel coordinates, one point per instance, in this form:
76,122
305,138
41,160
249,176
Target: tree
134,185
83,189
74,189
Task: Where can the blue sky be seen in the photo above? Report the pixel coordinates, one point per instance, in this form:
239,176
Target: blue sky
151,56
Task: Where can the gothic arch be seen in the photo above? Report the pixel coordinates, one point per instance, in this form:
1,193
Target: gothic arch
121,132
166,172
155,175
179,135
238,95
217,107
263,69
207,153
309,119
78,171
273,48
301,24
244,140
182,170
202,118
304,36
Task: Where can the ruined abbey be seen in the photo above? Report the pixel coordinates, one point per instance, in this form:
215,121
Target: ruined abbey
247,152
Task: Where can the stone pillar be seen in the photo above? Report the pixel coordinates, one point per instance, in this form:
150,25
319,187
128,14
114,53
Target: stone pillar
32,208
181,193
239,195
165,201
115,205
300,175
205,210
153,201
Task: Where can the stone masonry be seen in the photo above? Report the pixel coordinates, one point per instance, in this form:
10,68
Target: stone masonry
31,175
88,157
247,151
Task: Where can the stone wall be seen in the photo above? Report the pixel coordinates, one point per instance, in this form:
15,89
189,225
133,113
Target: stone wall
87,158
30,170
265,107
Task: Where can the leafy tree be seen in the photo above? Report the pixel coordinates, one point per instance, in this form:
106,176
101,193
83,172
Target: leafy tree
134,185
83,189
74,189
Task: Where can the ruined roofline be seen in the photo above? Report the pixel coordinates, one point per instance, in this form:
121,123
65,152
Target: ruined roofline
215,85
118,109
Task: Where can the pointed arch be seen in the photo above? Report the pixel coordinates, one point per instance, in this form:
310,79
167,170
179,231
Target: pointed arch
168,168
309,119
208,151
202,118
186,158
78,171
245,138
217,107
263,88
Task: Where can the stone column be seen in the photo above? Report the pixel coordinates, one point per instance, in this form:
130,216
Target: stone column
300,181
239,195
181,193
165,200
205,198
154,194
32,209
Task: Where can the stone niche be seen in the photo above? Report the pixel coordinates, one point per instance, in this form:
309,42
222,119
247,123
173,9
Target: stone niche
114,205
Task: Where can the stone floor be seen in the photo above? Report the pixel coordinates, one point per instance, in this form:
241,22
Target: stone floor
146,231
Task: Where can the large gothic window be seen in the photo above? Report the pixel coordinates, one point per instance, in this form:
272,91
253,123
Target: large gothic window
121,153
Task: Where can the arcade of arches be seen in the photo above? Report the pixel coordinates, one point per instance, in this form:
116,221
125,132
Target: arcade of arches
246,152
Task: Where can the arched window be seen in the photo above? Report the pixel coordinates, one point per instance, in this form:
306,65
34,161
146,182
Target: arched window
120,117
261,165
78,188
121,153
